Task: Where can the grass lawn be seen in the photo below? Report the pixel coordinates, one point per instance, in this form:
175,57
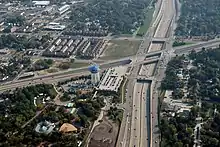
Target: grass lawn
176,43
52,70
120,48
149,15
53,92
78,64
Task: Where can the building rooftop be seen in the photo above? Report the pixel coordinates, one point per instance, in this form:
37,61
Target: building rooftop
45,127
66,128
112,79
41,3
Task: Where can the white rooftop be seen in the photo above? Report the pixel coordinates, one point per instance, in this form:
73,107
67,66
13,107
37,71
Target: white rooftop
112,79
41,3
176,102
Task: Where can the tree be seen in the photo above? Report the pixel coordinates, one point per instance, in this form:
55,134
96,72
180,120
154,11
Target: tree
64,65
178,144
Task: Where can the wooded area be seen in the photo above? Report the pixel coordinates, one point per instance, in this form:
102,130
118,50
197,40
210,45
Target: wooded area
199,18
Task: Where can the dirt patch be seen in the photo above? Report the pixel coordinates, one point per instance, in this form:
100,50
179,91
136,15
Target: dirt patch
104,135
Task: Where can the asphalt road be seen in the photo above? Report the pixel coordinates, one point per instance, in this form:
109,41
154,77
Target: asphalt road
140,132
135,95
80,71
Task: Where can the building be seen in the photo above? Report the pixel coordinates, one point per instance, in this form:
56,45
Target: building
67,128
112,79
41,3
95,77
26,75
45,127
55,26
63,9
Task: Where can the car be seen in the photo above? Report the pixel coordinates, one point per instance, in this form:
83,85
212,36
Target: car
156,141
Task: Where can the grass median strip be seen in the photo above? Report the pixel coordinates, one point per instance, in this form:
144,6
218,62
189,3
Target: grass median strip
148,18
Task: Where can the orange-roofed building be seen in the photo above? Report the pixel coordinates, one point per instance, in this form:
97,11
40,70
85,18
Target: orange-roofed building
67,128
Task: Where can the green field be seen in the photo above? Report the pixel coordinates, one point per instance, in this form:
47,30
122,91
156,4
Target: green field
148,18
78,64
176,43
120,48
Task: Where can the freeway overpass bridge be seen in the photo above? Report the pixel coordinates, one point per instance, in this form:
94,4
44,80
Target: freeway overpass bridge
141,78
159,40
51,78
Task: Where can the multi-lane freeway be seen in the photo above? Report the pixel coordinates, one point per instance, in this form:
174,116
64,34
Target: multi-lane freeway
140,110
76,72
143,113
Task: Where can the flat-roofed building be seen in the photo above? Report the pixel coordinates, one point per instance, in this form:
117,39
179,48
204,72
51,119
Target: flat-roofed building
41,3
112,79
63,9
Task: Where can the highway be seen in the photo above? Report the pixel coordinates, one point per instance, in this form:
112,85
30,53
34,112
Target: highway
140,128
139,124
73,72
54,78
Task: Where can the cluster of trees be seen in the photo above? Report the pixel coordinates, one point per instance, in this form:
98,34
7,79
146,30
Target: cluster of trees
178,43
15,19
73,79
177,131
14,67
65,97
65,65
115,95
199,18
210,132
115,16
89,109
171,81
28,136
115,114
74,32
205,77
21,42
41,64
203,83
17,108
